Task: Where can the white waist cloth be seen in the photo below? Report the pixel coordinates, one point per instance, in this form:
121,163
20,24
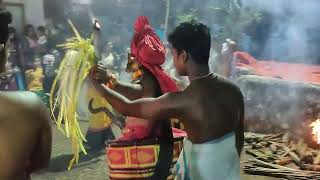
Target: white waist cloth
216,159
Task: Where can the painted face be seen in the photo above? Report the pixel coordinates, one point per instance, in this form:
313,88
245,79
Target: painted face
132,64
179,61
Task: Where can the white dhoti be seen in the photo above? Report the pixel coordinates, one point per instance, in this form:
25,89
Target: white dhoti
216,159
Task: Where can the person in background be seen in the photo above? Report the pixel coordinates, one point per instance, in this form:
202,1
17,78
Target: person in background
42,41
49,64
8,78
15,58
35,78
56,36
124,76
14,48
25,134
221,58
108,57
29,47
100,123
211,108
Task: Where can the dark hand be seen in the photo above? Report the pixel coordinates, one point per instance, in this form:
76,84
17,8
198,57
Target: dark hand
100,74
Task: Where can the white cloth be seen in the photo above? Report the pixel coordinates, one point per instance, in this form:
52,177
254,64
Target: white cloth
49,65
217,159
42,40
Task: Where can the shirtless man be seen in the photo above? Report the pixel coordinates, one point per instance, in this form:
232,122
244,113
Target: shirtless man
211,107
25,133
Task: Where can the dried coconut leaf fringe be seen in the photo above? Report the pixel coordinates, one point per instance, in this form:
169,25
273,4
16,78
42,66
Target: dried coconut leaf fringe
73,70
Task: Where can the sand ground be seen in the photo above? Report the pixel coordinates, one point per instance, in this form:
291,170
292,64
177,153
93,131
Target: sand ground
92,167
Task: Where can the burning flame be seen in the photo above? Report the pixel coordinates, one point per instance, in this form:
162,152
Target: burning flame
316,130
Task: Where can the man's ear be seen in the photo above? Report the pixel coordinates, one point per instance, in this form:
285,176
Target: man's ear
184,56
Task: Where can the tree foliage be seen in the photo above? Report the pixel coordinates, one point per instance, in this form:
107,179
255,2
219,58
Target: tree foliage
226,18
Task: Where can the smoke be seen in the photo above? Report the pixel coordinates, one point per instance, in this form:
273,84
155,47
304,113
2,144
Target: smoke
291,38
294,25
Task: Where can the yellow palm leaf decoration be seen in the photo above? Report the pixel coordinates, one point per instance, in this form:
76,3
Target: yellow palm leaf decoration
73,70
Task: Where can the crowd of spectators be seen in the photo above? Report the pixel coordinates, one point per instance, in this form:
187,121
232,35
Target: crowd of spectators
33,58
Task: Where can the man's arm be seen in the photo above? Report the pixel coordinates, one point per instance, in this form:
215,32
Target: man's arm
240,127
163,107
129,90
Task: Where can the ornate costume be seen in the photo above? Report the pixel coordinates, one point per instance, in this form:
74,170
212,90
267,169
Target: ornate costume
146,150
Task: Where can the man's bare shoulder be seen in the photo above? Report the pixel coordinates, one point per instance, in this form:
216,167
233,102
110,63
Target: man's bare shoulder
22,100
214,86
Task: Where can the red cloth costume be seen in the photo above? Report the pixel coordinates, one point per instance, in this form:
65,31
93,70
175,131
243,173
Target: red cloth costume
286,71
149,51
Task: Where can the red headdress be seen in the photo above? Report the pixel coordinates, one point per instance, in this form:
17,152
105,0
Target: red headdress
150,52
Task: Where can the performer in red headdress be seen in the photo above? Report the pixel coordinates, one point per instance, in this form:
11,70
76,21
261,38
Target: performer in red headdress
142,138
149,79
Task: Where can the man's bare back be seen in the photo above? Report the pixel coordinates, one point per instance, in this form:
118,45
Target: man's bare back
212,107
25,135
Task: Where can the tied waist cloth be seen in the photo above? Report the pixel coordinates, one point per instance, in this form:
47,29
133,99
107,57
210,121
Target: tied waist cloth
139,159
219,154
161,130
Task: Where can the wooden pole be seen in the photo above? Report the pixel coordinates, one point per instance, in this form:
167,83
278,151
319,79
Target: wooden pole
166,21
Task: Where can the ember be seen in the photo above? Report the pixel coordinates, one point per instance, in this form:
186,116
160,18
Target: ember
316,130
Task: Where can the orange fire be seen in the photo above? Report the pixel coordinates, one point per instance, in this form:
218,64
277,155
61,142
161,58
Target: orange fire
316,130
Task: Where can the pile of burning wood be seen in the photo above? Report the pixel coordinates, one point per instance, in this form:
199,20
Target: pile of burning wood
279,156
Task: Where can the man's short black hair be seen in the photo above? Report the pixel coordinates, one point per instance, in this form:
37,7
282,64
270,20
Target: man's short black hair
193,37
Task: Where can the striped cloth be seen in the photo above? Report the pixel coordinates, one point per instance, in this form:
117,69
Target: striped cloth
137,160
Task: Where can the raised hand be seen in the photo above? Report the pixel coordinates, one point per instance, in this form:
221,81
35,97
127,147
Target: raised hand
228,48
100,74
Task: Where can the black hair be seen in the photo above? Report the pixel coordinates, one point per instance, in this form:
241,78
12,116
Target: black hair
5,20
194,38
27,28
41,29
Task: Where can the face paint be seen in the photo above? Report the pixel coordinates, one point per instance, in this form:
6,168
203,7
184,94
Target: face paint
134,67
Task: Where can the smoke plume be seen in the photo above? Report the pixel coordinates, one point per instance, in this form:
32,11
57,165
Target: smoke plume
294,29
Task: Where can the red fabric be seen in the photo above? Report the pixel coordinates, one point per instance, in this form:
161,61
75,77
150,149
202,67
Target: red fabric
287,71
130,133
148,49
135,132
179,133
